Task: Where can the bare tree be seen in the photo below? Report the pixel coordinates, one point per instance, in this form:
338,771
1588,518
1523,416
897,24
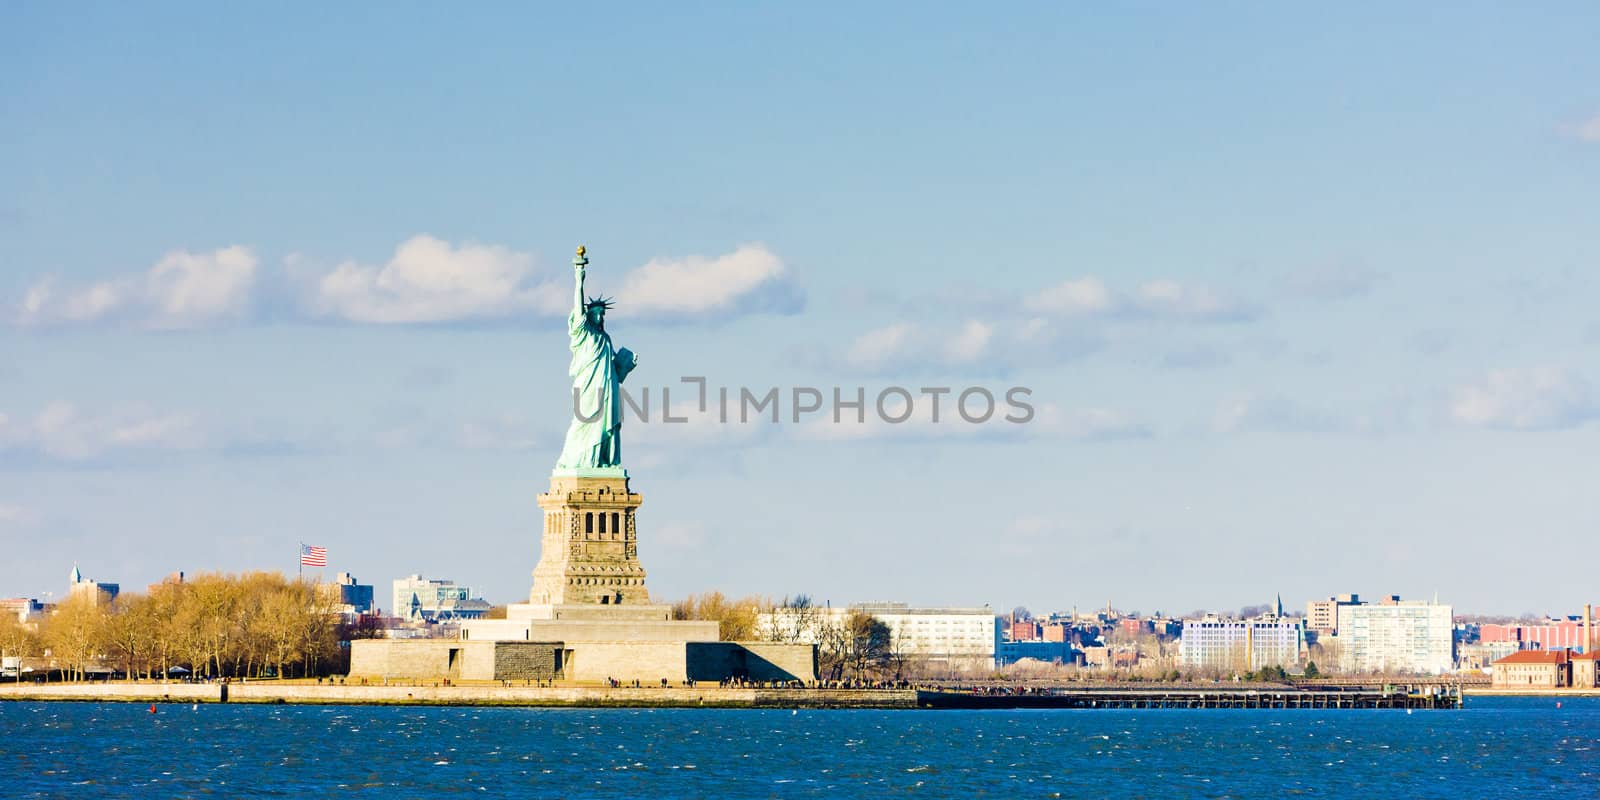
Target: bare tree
75,633
16,640
866,642
130,632
736,619
793,621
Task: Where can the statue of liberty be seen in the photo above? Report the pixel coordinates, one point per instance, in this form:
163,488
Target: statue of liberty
594,441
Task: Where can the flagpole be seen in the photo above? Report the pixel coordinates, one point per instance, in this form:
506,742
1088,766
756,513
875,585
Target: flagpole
300,558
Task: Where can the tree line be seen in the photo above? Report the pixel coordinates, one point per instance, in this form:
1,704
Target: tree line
253,624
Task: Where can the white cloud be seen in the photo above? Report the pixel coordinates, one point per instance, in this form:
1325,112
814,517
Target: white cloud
1074,296
1585,131
973,347
749,279
877,348
62,432
425,280
429,280
188,288
182,290
1538,398
1158,299
971,344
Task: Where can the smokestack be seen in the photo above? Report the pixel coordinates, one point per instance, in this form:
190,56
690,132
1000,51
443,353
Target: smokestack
1588,632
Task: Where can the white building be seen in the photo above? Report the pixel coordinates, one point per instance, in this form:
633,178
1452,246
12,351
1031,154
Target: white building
419,599
1242,645
1396,637
958,638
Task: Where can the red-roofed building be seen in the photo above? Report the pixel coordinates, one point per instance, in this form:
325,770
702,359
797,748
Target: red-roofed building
1534,669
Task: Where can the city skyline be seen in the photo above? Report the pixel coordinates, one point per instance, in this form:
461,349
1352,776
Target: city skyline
1294,320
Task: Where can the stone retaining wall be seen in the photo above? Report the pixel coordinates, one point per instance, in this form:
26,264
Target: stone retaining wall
582,696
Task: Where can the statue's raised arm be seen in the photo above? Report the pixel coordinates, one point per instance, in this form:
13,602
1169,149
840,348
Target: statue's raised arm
575,319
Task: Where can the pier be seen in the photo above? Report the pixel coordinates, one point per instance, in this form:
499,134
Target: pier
1220,698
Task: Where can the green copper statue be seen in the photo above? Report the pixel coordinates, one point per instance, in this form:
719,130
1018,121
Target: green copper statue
594,442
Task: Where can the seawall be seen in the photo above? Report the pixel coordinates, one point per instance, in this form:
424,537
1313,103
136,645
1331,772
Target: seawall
1530,692
576,696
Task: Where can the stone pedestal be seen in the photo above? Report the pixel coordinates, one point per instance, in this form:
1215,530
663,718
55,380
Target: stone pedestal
590,549
590,609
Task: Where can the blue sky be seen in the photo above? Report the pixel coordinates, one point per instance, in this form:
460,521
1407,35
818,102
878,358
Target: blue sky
1306,298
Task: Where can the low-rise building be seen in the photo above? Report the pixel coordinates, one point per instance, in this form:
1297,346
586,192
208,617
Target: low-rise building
1132,627
419,599
1533,669
1586,670
1059,632
1046,651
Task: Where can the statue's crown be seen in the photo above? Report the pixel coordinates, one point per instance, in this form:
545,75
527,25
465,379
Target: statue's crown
599,302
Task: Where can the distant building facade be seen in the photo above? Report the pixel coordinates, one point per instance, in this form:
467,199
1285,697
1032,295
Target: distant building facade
351,599
956,638
1241,645
1023,630
172,579
1322,616
1482,655
1396,636
25,609
98,591
419,599
1046,651
1554,634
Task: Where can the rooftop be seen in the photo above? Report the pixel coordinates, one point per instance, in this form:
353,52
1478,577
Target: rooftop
1536,657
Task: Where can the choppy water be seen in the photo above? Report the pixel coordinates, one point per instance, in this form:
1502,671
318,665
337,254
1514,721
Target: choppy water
1493,748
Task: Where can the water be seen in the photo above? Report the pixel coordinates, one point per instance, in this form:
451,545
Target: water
1496,747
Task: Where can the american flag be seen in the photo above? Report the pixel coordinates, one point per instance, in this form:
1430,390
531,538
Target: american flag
313,556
